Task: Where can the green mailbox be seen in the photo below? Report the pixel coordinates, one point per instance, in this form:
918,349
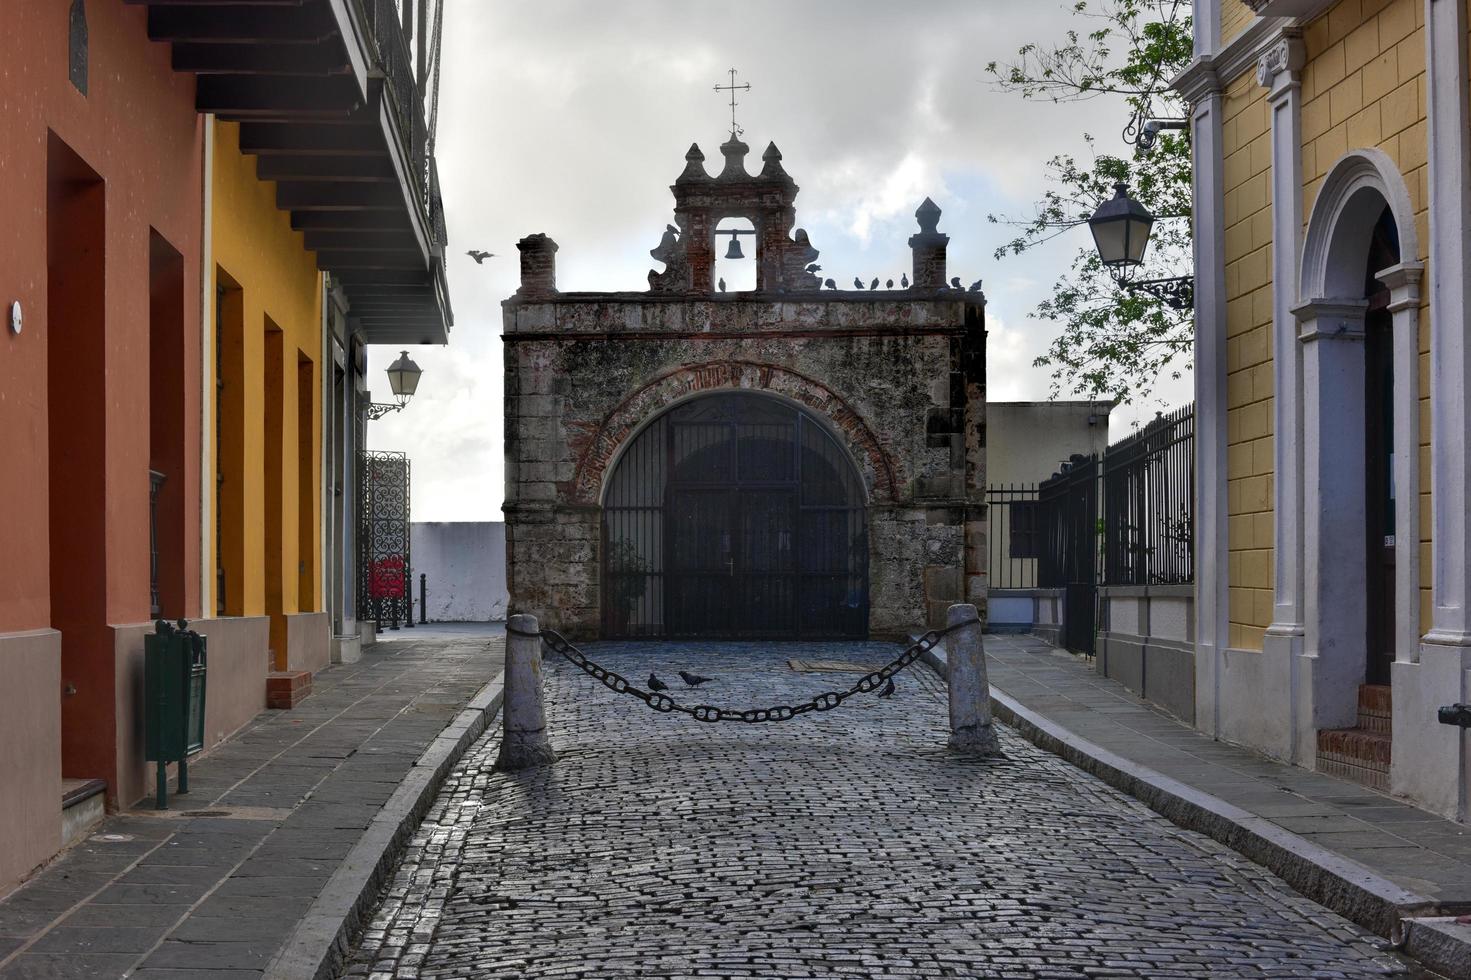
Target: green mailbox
173,694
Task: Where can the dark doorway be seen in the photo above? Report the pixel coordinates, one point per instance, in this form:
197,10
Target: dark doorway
735,515
1379,450
167,445
76,441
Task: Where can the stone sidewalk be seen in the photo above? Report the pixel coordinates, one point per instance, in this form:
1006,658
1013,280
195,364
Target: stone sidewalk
846,843
1367,855
215,886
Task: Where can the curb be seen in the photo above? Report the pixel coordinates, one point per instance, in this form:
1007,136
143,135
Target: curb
318,945
1343,886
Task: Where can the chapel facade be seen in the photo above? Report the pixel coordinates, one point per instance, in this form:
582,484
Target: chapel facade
793,461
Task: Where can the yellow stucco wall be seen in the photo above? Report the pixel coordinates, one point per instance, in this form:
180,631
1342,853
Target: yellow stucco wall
1364,86
1235,15
271,284
1246,145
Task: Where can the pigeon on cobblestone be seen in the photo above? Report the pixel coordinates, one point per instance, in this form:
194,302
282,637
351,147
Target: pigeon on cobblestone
655,684
694,680
888,690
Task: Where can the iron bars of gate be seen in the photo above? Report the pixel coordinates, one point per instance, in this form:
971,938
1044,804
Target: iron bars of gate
383,538
1148,496
1069,519
1014,536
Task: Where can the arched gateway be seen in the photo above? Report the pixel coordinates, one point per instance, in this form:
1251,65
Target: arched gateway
735,515
794,460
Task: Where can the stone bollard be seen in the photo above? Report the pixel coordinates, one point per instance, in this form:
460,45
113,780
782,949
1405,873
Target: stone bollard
524,744
971,731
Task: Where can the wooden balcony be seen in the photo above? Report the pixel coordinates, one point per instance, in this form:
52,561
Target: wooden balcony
326,99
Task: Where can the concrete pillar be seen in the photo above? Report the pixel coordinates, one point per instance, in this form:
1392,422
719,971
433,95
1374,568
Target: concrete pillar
524,744
971,730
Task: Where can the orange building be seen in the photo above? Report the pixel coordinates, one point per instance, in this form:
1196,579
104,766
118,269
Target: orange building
101,189
166,315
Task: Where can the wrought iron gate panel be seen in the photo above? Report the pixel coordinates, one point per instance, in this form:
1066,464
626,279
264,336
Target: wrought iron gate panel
384,566
1069,515
735,515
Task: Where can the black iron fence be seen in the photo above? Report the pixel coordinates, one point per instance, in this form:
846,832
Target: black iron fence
1148,494
1015,536
1123,518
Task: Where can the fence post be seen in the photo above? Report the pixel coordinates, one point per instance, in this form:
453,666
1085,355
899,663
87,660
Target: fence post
971,730
423,615
524,744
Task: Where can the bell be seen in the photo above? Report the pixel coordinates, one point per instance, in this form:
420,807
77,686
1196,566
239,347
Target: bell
734,252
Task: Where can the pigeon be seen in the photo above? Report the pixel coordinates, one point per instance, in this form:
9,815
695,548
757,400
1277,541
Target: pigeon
830,284
874,284
955,283
904,281
857,283
694,680
889,284
655,684
480,256
975,287
814,267
888,690
722,284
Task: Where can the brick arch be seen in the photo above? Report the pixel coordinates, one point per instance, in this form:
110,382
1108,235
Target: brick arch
602,445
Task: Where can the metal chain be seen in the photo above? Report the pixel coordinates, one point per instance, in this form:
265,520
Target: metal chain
663,703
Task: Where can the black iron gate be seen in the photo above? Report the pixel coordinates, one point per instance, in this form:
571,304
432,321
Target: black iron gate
1070,528
384,593
735,515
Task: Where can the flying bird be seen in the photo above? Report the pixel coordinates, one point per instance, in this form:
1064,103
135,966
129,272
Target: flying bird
904,281
694,680
888,690
480,256
830,284
857,283
814,267
722,284
874,284
955,283
655,684
889,284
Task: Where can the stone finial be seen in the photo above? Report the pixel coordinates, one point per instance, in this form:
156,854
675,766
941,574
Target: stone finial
772,160
694,165
538,267
928,214
735,160
929,248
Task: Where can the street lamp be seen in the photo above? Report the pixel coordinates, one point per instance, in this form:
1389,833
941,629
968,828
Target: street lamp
403,379
1121,227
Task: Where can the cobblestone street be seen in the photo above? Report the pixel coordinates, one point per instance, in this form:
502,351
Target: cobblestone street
848,843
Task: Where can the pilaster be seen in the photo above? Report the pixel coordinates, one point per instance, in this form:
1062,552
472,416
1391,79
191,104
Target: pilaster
1279,69
1403,281
1450,320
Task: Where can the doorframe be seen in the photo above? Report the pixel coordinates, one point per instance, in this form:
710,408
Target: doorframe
1330,321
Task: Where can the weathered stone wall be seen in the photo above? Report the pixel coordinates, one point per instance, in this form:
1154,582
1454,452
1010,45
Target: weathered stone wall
900,376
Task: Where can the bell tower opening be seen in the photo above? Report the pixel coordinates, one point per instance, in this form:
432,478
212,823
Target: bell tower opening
735,255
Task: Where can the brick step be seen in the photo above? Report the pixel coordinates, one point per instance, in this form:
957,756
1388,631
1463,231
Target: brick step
1355,753
1375,707
287,688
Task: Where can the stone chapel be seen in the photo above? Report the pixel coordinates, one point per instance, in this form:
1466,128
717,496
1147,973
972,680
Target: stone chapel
796,461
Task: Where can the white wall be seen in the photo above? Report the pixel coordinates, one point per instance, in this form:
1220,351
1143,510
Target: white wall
1026,442
466,567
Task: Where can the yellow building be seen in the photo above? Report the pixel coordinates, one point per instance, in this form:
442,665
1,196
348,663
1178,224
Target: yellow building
265,446
1331,179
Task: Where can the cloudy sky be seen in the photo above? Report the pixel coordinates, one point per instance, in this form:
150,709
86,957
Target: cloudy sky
572,117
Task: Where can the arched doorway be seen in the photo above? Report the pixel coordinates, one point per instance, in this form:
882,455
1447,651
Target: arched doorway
1358,333
735,515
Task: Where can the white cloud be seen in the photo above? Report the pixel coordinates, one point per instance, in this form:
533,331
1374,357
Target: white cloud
572,118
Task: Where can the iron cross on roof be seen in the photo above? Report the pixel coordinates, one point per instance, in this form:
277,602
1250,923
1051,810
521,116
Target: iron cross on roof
732,88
